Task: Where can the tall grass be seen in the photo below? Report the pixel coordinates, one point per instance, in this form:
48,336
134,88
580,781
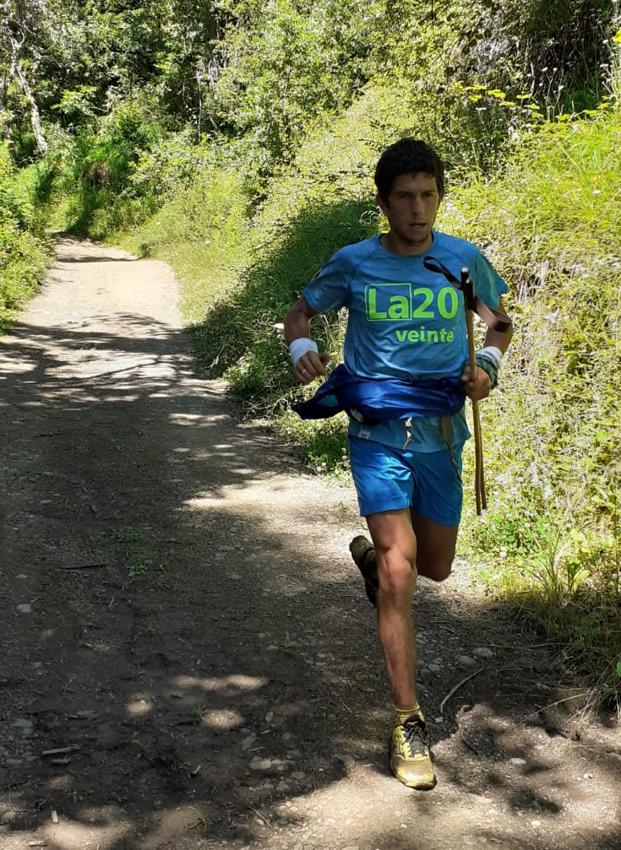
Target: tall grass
553,441
203,232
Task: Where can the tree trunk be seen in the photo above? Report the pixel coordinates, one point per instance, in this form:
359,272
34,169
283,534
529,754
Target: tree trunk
12,28
35,118
3,121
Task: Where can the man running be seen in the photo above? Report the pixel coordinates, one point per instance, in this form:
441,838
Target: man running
406,328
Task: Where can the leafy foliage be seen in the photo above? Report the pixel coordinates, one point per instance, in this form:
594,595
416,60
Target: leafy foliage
99,167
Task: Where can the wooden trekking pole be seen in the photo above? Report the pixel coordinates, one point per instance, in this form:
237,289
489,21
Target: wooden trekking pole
494,319
479,474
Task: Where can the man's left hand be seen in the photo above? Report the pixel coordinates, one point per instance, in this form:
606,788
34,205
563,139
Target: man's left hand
480,387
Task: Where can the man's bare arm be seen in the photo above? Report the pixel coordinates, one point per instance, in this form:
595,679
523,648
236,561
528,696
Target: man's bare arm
481,386
311,364
496,338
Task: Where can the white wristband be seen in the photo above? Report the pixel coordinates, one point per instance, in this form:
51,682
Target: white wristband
492,353
299,347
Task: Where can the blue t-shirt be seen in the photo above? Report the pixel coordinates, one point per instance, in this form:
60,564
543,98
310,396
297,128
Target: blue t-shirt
404,321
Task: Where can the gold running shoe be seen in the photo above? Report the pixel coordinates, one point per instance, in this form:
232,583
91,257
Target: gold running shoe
410,760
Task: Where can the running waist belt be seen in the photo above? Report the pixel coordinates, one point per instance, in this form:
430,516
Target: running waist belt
374,400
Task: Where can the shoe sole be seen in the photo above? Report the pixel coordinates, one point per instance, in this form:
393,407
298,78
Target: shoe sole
360,549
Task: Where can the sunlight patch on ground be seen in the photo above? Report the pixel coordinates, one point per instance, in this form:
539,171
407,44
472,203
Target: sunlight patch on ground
222,719
105,833
367,806
175,822
205,503
185,417
235,682
139,706
15,367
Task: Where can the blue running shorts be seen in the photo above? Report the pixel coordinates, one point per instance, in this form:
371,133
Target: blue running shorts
389,479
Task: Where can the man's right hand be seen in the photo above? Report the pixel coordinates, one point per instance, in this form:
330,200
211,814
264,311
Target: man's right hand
310,366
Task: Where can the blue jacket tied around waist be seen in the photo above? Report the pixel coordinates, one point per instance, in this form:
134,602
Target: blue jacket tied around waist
371,401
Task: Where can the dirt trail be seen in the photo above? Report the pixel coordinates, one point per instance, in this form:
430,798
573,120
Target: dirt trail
189,659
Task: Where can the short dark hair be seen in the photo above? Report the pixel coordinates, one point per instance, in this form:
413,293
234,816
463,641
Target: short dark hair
407,156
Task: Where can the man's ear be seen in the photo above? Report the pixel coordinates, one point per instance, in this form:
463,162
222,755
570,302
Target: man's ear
382,204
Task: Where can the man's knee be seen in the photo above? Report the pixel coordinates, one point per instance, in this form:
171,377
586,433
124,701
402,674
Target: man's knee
396,572
436,570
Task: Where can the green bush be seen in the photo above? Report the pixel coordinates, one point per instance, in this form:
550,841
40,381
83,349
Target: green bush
323,201
99,169
24,254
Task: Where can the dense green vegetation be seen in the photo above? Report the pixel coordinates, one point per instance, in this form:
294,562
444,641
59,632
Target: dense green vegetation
553,221
24,250
236,139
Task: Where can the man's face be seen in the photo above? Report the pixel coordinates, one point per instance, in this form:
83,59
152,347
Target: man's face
411,209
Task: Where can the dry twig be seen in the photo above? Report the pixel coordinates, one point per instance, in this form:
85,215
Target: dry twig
468,744
458,686
59,751
261,817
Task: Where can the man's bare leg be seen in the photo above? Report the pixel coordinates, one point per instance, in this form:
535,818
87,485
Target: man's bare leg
395,549
405,544
435,550
435,547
